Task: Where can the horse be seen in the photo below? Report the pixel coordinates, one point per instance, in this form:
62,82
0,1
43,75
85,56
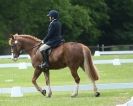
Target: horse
69,54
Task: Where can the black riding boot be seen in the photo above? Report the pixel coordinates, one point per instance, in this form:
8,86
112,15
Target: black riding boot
45,64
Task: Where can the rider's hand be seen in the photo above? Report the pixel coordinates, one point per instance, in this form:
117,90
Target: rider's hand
42,41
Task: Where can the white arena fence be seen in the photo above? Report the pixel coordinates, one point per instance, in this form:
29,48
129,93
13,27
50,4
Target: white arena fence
24,65
116,61
10,56
98,53
21,65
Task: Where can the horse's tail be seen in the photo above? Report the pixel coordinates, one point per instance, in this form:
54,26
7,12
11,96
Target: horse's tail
89,67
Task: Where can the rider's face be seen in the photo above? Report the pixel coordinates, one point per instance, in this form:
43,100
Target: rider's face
50,18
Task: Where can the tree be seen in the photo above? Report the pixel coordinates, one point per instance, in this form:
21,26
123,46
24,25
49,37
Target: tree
119,31
86,21
98,17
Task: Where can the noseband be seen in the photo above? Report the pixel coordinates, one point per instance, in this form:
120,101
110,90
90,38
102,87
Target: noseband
13,46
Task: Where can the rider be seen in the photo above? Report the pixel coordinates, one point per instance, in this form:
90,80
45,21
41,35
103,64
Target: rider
52,39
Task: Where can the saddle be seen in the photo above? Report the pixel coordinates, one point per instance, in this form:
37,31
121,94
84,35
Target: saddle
49,50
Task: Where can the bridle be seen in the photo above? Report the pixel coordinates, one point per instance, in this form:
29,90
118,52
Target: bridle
14,49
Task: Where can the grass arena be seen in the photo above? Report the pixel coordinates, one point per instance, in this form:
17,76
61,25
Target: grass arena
109,73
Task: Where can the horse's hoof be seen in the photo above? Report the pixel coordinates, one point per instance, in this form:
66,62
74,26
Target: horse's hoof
97,94
49,95
44,92
74,95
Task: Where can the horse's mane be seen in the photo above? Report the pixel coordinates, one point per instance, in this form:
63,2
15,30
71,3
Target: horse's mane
28,37
24,36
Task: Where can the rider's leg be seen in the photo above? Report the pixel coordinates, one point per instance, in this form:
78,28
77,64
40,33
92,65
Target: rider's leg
45,56
44,51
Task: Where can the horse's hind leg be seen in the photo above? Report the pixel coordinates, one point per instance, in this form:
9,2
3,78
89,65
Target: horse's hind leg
77,80
90,69
94,84
96,93
46,74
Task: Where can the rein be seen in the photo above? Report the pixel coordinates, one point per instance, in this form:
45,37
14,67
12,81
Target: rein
34,46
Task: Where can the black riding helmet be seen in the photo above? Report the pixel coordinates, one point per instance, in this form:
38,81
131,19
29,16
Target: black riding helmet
54,14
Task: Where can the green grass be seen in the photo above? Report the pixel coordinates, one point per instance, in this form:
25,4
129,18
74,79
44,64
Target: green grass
108,74
108,98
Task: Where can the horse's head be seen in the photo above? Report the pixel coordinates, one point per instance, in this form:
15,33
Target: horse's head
16,47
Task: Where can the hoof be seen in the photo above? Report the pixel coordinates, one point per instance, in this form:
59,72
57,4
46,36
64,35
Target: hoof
97,94
49,95
74,95
44,92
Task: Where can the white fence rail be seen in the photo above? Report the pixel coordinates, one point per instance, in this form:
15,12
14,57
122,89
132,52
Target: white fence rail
98,53
10,56
22,65
116,61
25,65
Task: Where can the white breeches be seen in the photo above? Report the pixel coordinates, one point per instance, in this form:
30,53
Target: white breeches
44,47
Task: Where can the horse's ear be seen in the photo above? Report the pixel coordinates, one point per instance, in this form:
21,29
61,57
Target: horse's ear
16,34
9,42
12,37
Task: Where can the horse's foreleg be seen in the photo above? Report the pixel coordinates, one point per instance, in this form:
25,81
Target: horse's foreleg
77,80
36,74
75,92
47,78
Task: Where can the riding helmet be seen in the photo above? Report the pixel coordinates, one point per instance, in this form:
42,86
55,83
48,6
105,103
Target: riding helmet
53,13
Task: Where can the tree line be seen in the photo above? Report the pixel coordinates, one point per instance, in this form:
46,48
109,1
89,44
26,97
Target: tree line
90,22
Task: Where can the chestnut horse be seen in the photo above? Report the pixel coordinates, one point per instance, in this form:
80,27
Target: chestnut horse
72,55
